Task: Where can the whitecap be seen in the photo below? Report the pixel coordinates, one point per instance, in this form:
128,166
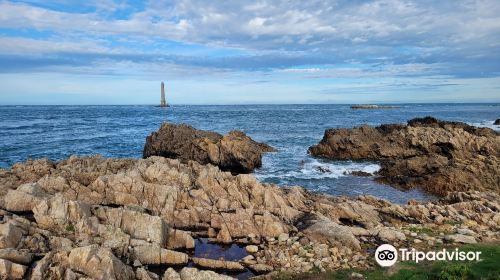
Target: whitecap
486,123
315,169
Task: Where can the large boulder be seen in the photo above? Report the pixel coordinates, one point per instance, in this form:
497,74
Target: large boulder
39,269
17,256
235,152
59,213
179,239
142,274
390,235
461,238
136,224
98,263
153,254
218,264
10,235
191,273
322,229
10,270
437,155
24,198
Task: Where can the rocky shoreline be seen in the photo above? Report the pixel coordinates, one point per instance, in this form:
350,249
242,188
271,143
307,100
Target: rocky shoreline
104,218
117,218
437,156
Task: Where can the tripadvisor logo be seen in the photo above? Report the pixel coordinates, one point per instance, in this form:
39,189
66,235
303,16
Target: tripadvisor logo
386,255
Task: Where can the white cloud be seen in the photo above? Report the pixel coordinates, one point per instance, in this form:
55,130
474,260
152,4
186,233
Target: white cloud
262,24
25,46
404,37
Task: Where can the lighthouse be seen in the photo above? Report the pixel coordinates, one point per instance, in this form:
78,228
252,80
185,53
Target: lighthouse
163,101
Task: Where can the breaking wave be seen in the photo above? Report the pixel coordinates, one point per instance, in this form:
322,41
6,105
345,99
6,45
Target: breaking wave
315,169
488,124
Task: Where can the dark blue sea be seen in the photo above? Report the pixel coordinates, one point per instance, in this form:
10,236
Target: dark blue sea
56,132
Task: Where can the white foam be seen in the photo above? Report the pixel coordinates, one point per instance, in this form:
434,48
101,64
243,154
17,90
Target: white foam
488,124
314,169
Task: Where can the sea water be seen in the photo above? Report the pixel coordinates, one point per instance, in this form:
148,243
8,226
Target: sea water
56,132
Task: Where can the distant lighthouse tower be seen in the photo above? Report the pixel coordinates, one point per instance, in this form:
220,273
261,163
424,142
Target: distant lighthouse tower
163,102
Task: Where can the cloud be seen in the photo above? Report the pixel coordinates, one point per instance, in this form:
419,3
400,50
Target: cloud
312,41
266,24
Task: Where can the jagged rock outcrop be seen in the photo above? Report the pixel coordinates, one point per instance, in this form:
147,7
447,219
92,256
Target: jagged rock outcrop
10,234
218,264
235,151
323,230
89,222
497,122
191,273
24,198
10,270
98,263
438,156
154,254
16,256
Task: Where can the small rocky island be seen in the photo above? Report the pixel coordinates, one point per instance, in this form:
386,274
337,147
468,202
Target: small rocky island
438,156
103,218
372,106
235,152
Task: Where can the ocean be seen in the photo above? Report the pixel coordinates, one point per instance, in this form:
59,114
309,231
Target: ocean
56,132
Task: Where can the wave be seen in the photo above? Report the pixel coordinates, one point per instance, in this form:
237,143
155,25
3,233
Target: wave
487,123
314,169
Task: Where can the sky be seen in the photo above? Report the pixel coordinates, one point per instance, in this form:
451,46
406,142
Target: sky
249,52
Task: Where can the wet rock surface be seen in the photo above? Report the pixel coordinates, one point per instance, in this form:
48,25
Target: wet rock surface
437,156
103,218
235,151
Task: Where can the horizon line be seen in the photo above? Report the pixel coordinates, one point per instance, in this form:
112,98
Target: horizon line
256,104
